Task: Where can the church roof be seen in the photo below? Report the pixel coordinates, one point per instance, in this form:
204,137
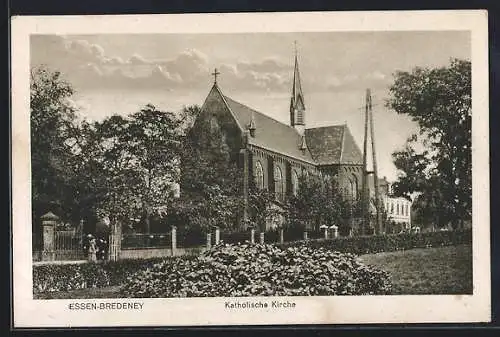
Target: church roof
333,145
269,133
325,145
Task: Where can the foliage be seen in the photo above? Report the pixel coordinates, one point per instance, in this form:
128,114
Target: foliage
65,277
318,202
439,101
258,270
52,124
210,178
263,208
120,167
386,243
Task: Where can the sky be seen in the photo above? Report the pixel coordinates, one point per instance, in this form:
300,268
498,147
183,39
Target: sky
119,74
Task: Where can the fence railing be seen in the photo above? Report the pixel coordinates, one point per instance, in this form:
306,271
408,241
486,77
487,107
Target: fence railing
235,237
190,239
68,245
136,240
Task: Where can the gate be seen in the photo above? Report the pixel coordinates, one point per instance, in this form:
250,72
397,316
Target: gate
68,245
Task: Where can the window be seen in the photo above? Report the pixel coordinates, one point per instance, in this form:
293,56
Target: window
354,187
397,209
295,183
392,207
259,175
278,183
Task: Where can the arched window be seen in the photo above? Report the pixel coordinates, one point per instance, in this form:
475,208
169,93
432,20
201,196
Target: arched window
354,187
295,183
278,183
397,209
392,207
259,175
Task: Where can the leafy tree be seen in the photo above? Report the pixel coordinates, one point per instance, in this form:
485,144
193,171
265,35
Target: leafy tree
211,182
52,122
439,101
318,202
263,207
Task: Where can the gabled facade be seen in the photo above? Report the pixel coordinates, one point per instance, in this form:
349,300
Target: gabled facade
274,155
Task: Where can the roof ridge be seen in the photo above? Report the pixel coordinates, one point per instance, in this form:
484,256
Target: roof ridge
263,114
326,126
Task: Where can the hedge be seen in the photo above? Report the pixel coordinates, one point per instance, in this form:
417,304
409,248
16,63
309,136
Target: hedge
386,243
65,277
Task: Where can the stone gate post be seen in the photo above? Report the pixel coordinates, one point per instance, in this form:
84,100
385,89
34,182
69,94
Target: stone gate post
217,235
209,241
173,234
252,235
49,222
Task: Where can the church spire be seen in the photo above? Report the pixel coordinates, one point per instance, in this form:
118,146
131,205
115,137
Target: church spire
297,105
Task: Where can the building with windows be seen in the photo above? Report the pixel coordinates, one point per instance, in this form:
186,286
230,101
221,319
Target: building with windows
398,210
273,155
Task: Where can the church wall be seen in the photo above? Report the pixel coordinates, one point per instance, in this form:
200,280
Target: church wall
215,108
348,174
269,160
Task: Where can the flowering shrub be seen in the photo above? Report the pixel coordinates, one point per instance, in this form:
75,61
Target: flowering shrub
258,270
386,243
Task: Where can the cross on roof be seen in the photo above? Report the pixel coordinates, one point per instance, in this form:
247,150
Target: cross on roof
215,73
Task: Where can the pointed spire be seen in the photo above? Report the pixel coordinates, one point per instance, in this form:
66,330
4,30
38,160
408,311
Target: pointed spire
252,126
297,103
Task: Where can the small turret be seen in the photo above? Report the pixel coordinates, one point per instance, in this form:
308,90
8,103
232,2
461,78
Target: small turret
252,126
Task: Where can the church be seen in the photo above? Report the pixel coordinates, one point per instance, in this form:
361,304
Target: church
275,154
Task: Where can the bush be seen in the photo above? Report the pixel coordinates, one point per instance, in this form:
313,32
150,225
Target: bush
386,243
65,277
258,270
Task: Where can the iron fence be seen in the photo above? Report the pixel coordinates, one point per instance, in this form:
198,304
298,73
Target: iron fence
139,240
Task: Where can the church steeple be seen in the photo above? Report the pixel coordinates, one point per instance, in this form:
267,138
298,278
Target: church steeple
297,104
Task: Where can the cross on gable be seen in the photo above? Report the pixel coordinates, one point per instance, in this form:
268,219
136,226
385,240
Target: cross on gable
215,73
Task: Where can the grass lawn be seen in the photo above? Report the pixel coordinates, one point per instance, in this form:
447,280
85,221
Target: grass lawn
437,271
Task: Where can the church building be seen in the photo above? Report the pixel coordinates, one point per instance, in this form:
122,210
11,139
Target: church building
275,154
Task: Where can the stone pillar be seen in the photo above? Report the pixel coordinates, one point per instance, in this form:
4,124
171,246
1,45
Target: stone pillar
173,233
335,232
326,233
209,241
261,238
49,222
281,236
305,235
217,235
252,235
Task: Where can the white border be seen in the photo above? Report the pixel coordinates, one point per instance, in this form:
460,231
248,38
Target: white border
210,311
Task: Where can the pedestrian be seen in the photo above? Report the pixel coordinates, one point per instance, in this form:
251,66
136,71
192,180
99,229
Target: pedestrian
93,249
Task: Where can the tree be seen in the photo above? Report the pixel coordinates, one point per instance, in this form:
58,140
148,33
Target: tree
318,202
52,122
211,182
439,101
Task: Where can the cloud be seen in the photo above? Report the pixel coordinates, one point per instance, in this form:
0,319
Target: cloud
89,66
